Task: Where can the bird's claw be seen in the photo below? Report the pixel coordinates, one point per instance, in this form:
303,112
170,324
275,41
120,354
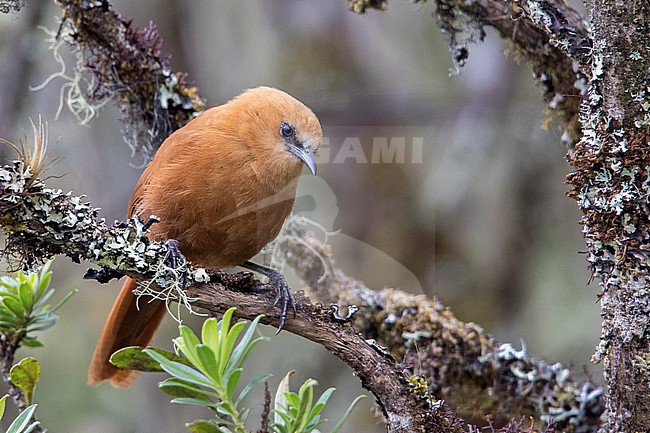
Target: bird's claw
284,296
175,258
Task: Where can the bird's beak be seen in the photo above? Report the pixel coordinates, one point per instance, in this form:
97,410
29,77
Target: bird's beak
306,155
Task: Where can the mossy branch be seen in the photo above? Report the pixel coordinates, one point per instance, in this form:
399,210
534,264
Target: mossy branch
123,63
549,35
40,222
461,361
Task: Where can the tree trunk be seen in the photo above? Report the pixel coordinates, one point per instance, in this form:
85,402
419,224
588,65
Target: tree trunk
611,183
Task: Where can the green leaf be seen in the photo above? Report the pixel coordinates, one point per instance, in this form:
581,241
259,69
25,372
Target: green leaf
5,313
244,414
21,423
310,426
44,279
3,402
234,332
25,376
41,302
284,425
293,400
203,426
306,396
135,358
346,415
13,305
43,324
43,285
65,299
208,362
210,333
178,389
225,325
192,401
22,278
280,405
232,381
31,342
7,284
248,388
221,422
188,342
320,404
180,371
26,296
242,349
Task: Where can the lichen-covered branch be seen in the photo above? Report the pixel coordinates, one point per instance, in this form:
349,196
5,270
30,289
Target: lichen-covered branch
548,35
611,183
40,222
462,363
124,63
404,401
7,6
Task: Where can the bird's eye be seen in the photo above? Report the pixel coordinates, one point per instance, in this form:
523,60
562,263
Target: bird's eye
287,130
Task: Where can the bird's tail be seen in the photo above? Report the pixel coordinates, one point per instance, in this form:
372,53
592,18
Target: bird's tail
128,324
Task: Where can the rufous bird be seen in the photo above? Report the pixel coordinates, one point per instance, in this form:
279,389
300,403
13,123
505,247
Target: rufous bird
222,187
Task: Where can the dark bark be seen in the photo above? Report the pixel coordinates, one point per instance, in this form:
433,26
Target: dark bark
40,222
610,183
461,361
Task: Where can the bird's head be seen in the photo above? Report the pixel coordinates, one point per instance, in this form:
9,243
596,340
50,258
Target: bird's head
286,131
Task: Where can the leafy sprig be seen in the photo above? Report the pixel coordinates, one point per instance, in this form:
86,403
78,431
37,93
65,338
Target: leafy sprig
294,412
24,310
23,422
24,307
215,369
206,372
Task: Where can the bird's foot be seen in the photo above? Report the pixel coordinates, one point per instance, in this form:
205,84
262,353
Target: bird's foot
174,258
283,295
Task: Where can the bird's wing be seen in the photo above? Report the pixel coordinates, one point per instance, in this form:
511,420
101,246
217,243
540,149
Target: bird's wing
136,205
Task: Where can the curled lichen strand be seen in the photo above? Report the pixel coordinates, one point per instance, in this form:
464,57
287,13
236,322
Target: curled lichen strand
125,64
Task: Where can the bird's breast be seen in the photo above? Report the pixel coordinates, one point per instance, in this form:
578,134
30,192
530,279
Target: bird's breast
219,219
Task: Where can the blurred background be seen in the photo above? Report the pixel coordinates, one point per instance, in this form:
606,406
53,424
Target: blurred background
471,208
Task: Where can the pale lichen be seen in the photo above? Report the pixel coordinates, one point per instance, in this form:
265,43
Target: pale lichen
461,361
41,222
125,65
610,182
7,6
